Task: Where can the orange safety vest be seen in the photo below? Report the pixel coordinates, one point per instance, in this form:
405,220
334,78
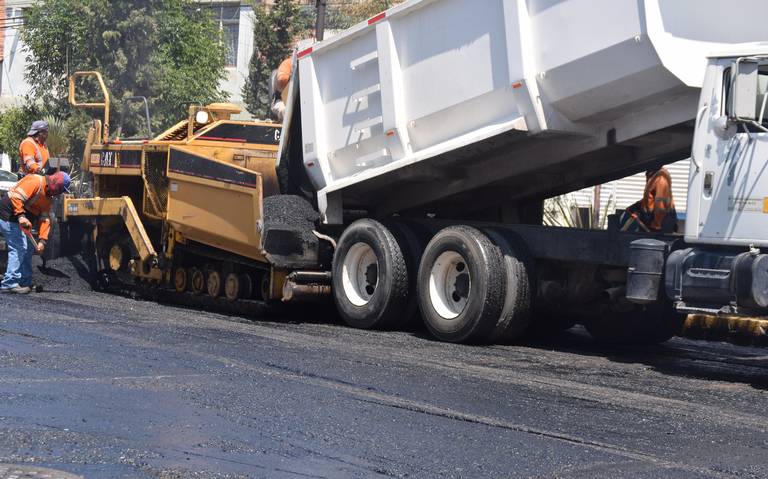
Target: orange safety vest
34,156
28,197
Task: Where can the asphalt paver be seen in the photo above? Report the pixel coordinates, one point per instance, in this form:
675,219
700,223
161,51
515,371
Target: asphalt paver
106,386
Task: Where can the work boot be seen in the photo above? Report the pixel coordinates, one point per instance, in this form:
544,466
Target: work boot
21,290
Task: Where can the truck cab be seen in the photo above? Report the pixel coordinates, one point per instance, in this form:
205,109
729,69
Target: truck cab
722,269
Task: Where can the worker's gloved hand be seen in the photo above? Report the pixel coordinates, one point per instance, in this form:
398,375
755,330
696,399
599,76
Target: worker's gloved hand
40,247
25,223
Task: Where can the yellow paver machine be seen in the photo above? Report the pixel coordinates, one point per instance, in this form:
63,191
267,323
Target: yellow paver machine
185,210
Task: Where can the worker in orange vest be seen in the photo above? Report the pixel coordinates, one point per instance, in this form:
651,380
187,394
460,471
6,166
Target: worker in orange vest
655,212
32,150
279,83
27,202
658,203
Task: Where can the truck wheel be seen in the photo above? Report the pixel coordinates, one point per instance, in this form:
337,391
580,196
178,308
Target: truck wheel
461,285
180,279
654,324
515,319
197,281
412,240
232,287
370,277
214,284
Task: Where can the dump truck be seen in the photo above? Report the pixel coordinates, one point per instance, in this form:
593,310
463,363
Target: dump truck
408,178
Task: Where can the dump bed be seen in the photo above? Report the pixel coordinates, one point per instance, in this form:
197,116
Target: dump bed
461,104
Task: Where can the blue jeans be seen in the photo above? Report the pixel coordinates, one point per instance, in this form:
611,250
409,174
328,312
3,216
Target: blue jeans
20,251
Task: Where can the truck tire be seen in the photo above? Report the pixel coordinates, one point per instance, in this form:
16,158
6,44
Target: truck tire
654,324
412,240
515,319
370,277
462,285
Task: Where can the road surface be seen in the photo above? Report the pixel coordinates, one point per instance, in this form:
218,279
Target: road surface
106,386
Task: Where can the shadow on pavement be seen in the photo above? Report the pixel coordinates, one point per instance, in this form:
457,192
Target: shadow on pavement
711,361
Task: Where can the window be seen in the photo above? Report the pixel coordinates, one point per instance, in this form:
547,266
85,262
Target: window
14,18
228,18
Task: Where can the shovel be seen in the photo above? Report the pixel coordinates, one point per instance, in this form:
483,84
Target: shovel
43,269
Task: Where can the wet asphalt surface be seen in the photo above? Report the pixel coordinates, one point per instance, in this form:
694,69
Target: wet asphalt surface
109,387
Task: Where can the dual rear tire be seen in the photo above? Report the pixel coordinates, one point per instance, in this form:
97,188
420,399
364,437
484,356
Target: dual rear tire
469,285
475,286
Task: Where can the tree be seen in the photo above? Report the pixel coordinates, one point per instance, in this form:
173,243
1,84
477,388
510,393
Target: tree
167,50
345,15
14,123
274,31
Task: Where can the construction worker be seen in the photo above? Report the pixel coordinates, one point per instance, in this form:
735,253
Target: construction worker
655,212
280,81
27,202
32,150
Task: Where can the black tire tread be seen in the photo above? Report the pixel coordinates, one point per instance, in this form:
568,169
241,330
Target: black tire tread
392,315
516,317
412,246
480,329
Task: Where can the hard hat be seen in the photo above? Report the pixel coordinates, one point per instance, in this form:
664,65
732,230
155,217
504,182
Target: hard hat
37,126
59,182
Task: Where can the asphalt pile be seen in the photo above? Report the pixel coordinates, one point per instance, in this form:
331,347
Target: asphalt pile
64,275
288,235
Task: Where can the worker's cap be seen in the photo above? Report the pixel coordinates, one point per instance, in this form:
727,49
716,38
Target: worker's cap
58,183
37,127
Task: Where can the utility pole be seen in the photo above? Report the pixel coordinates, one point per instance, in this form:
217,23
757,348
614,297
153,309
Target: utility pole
320,26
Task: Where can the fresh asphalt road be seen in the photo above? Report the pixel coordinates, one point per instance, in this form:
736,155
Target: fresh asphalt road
108,387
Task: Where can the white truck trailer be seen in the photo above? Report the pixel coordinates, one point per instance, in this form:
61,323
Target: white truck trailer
428,137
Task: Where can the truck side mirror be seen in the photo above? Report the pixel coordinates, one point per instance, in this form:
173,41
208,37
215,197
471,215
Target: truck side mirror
745,88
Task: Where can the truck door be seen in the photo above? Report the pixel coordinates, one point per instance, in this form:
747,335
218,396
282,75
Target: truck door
730,171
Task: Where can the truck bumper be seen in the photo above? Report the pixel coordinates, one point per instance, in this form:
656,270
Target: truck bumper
719,282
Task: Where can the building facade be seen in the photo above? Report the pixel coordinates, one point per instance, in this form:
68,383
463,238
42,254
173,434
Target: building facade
620,194
13,59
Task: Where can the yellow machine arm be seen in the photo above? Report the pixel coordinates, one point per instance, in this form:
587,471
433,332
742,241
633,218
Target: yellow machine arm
122,207
105,104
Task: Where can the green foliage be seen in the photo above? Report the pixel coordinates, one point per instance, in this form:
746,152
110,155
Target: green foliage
57,142
189,62
274,31
565,211
348,14
167,50
277,28
14,124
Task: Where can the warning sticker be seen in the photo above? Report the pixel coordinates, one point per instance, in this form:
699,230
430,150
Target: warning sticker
740,203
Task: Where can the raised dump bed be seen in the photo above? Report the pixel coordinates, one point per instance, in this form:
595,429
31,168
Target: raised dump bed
441,98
